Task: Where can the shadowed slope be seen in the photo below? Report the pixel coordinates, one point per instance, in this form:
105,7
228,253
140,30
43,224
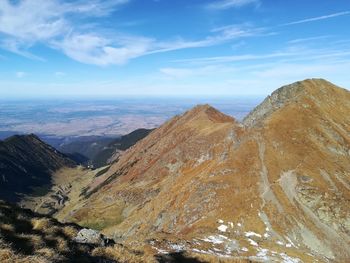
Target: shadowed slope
27,162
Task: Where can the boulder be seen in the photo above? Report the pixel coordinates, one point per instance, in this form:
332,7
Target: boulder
93,237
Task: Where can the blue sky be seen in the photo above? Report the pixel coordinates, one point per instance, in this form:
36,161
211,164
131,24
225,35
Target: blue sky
115,48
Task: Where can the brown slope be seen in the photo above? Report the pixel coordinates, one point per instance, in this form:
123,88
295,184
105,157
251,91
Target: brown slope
151,166
277,189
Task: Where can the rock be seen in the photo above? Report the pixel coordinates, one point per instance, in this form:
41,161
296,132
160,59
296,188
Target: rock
93,237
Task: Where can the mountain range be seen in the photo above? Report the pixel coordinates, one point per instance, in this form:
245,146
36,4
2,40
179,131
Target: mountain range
272,188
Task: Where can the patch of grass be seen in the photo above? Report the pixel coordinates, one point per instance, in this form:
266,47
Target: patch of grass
40,223
70,231
123,254
215,259
29,237
101,223
102,171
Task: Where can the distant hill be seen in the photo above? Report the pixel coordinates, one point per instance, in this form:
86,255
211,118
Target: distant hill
26,165
81,148
114,148
97,151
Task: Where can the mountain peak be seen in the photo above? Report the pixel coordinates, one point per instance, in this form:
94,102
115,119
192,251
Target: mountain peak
210,112
315,89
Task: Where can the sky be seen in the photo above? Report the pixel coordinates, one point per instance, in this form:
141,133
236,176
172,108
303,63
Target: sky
170,48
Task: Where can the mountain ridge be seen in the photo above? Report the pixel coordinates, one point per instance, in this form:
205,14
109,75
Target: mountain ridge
204,176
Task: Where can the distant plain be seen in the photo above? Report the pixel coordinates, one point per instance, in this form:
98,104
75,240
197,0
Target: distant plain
58,119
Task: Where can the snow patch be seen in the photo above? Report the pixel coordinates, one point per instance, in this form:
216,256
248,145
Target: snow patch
252,242
177,247
215,239
222,228
290,242
262,254
251,233
280,243
161,251
288,259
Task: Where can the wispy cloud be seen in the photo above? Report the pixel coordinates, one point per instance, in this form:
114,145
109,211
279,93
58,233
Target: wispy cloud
238,58
312,19
95,49
218,36
29,22
307,39
50,22
227,4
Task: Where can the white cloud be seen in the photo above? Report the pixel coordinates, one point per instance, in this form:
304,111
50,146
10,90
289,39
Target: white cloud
31,20
50,22
94,7
226,4
28,22
312,19
98,50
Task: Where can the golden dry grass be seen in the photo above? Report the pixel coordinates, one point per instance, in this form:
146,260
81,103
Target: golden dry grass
70,231
124,255
216,259
40,223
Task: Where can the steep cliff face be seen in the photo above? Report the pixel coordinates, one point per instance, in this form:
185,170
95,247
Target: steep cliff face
26,163
276,187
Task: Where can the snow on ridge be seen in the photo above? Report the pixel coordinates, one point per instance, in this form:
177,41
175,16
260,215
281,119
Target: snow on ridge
222,228
251,233
215,239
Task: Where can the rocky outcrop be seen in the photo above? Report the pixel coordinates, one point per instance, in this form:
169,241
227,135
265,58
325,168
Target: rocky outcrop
92,237
281,97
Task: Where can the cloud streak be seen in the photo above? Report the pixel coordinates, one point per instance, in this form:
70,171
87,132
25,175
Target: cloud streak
313,19
228,4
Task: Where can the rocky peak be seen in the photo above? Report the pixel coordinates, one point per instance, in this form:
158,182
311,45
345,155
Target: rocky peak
285,95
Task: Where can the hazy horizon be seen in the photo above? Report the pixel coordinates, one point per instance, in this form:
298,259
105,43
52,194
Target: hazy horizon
107,118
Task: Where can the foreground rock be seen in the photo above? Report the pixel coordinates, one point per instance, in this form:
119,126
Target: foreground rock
92,237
